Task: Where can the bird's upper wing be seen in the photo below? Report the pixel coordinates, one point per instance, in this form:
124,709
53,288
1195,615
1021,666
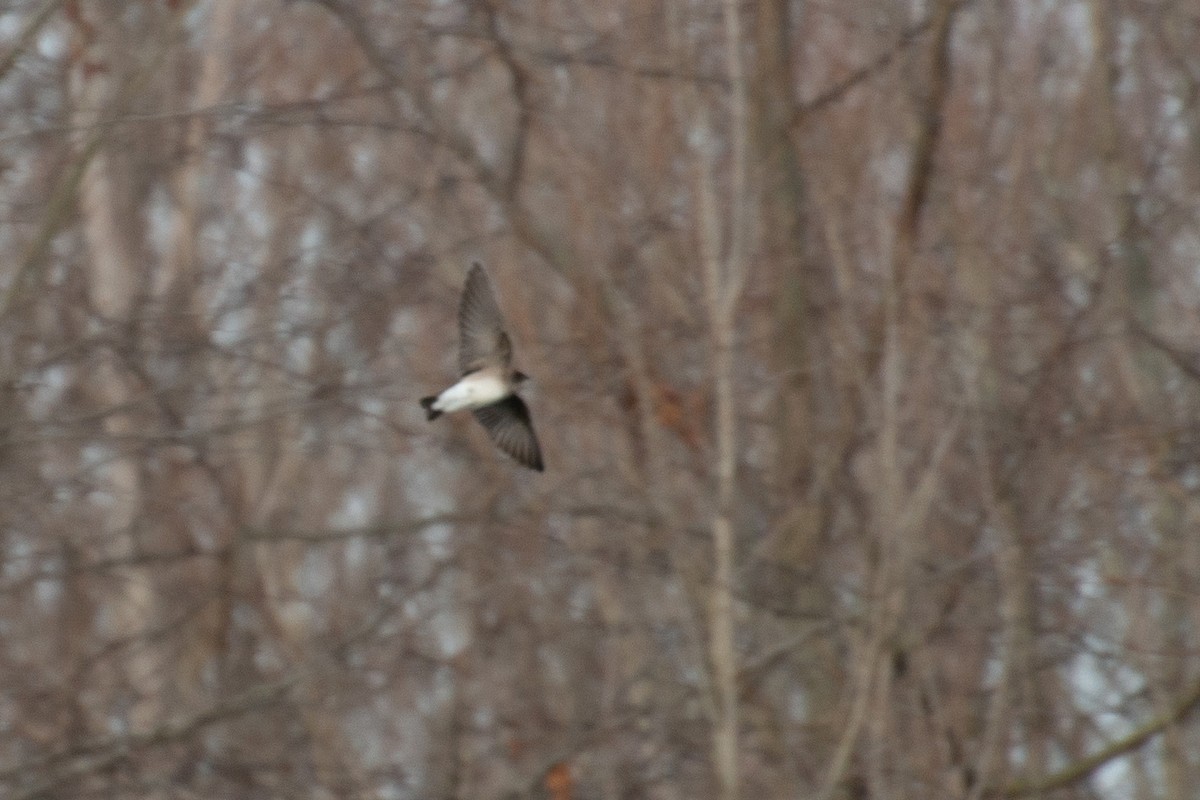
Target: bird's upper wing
482,340
507,422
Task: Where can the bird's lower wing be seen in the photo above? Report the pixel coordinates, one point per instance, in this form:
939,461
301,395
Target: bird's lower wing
508,424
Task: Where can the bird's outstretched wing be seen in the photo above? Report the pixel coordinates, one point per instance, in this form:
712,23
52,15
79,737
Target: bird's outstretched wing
482,340
511,429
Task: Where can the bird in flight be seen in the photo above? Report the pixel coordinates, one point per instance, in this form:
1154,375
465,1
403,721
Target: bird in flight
489,381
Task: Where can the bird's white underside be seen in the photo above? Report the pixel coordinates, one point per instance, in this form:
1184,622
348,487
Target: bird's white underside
475,390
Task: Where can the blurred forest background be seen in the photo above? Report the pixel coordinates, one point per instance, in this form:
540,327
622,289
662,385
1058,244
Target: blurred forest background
866,357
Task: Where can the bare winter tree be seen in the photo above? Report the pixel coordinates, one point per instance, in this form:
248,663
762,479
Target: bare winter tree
862,350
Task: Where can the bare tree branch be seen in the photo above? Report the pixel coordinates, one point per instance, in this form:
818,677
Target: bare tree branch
1084,768
28,33
64,768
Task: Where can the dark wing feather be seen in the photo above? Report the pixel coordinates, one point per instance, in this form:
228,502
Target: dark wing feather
507,422
482,341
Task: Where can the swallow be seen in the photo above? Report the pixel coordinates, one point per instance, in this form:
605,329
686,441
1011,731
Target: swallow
488,386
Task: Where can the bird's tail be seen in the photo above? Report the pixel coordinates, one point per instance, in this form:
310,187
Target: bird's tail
431,413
